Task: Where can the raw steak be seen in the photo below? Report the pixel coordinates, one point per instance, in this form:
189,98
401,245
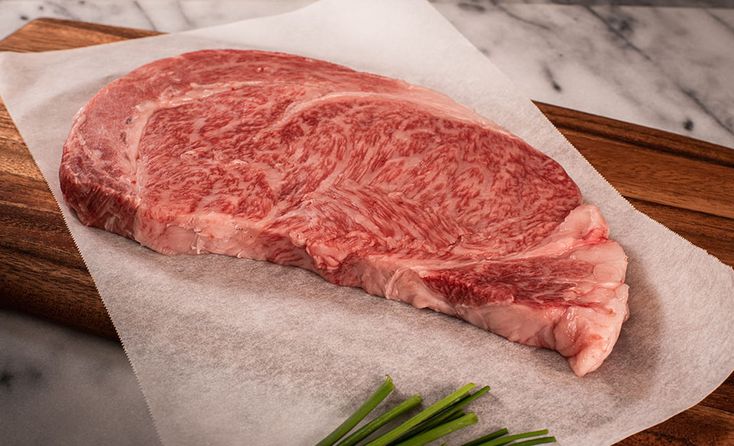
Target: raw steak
365,180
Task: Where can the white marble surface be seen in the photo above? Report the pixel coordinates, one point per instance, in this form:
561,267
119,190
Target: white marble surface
61,387
665,67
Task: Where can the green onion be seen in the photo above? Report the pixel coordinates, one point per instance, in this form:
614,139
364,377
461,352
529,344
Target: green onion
422,416
376,398
435,421
450,413
535,441
486,438
438,420
470,398
504,440
440,431
380,421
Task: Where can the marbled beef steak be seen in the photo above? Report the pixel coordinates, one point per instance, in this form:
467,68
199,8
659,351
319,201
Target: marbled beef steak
367,181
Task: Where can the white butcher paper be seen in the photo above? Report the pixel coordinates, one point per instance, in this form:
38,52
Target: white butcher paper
232,351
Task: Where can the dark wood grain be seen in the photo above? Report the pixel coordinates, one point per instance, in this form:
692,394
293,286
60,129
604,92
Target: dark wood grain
685,184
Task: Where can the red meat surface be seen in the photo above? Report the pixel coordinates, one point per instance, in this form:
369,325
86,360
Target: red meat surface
367,181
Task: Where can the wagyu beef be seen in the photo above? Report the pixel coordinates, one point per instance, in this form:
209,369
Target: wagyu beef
367,181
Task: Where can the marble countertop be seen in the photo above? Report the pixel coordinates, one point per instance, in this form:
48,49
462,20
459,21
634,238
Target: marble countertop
62,387
666,66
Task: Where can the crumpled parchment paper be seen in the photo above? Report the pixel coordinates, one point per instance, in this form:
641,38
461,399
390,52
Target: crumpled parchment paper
231,351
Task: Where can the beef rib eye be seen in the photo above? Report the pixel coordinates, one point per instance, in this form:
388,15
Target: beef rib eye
367,181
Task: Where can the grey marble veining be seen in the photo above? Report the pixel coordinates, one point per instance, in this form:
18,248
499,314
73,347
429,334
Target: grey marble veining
666,67
61,387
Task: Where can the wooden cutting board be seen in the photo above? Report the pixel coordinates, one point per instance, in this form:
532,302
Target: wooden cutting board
686,184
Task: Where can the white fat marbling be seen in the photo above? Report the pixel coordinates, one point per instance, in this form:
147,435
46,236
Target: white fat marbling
664,67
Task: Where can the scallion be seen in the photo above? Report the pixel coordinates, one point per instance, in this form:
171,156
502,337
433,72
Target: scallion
440,431
366,430
504,440
422,416
486,438
376,398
